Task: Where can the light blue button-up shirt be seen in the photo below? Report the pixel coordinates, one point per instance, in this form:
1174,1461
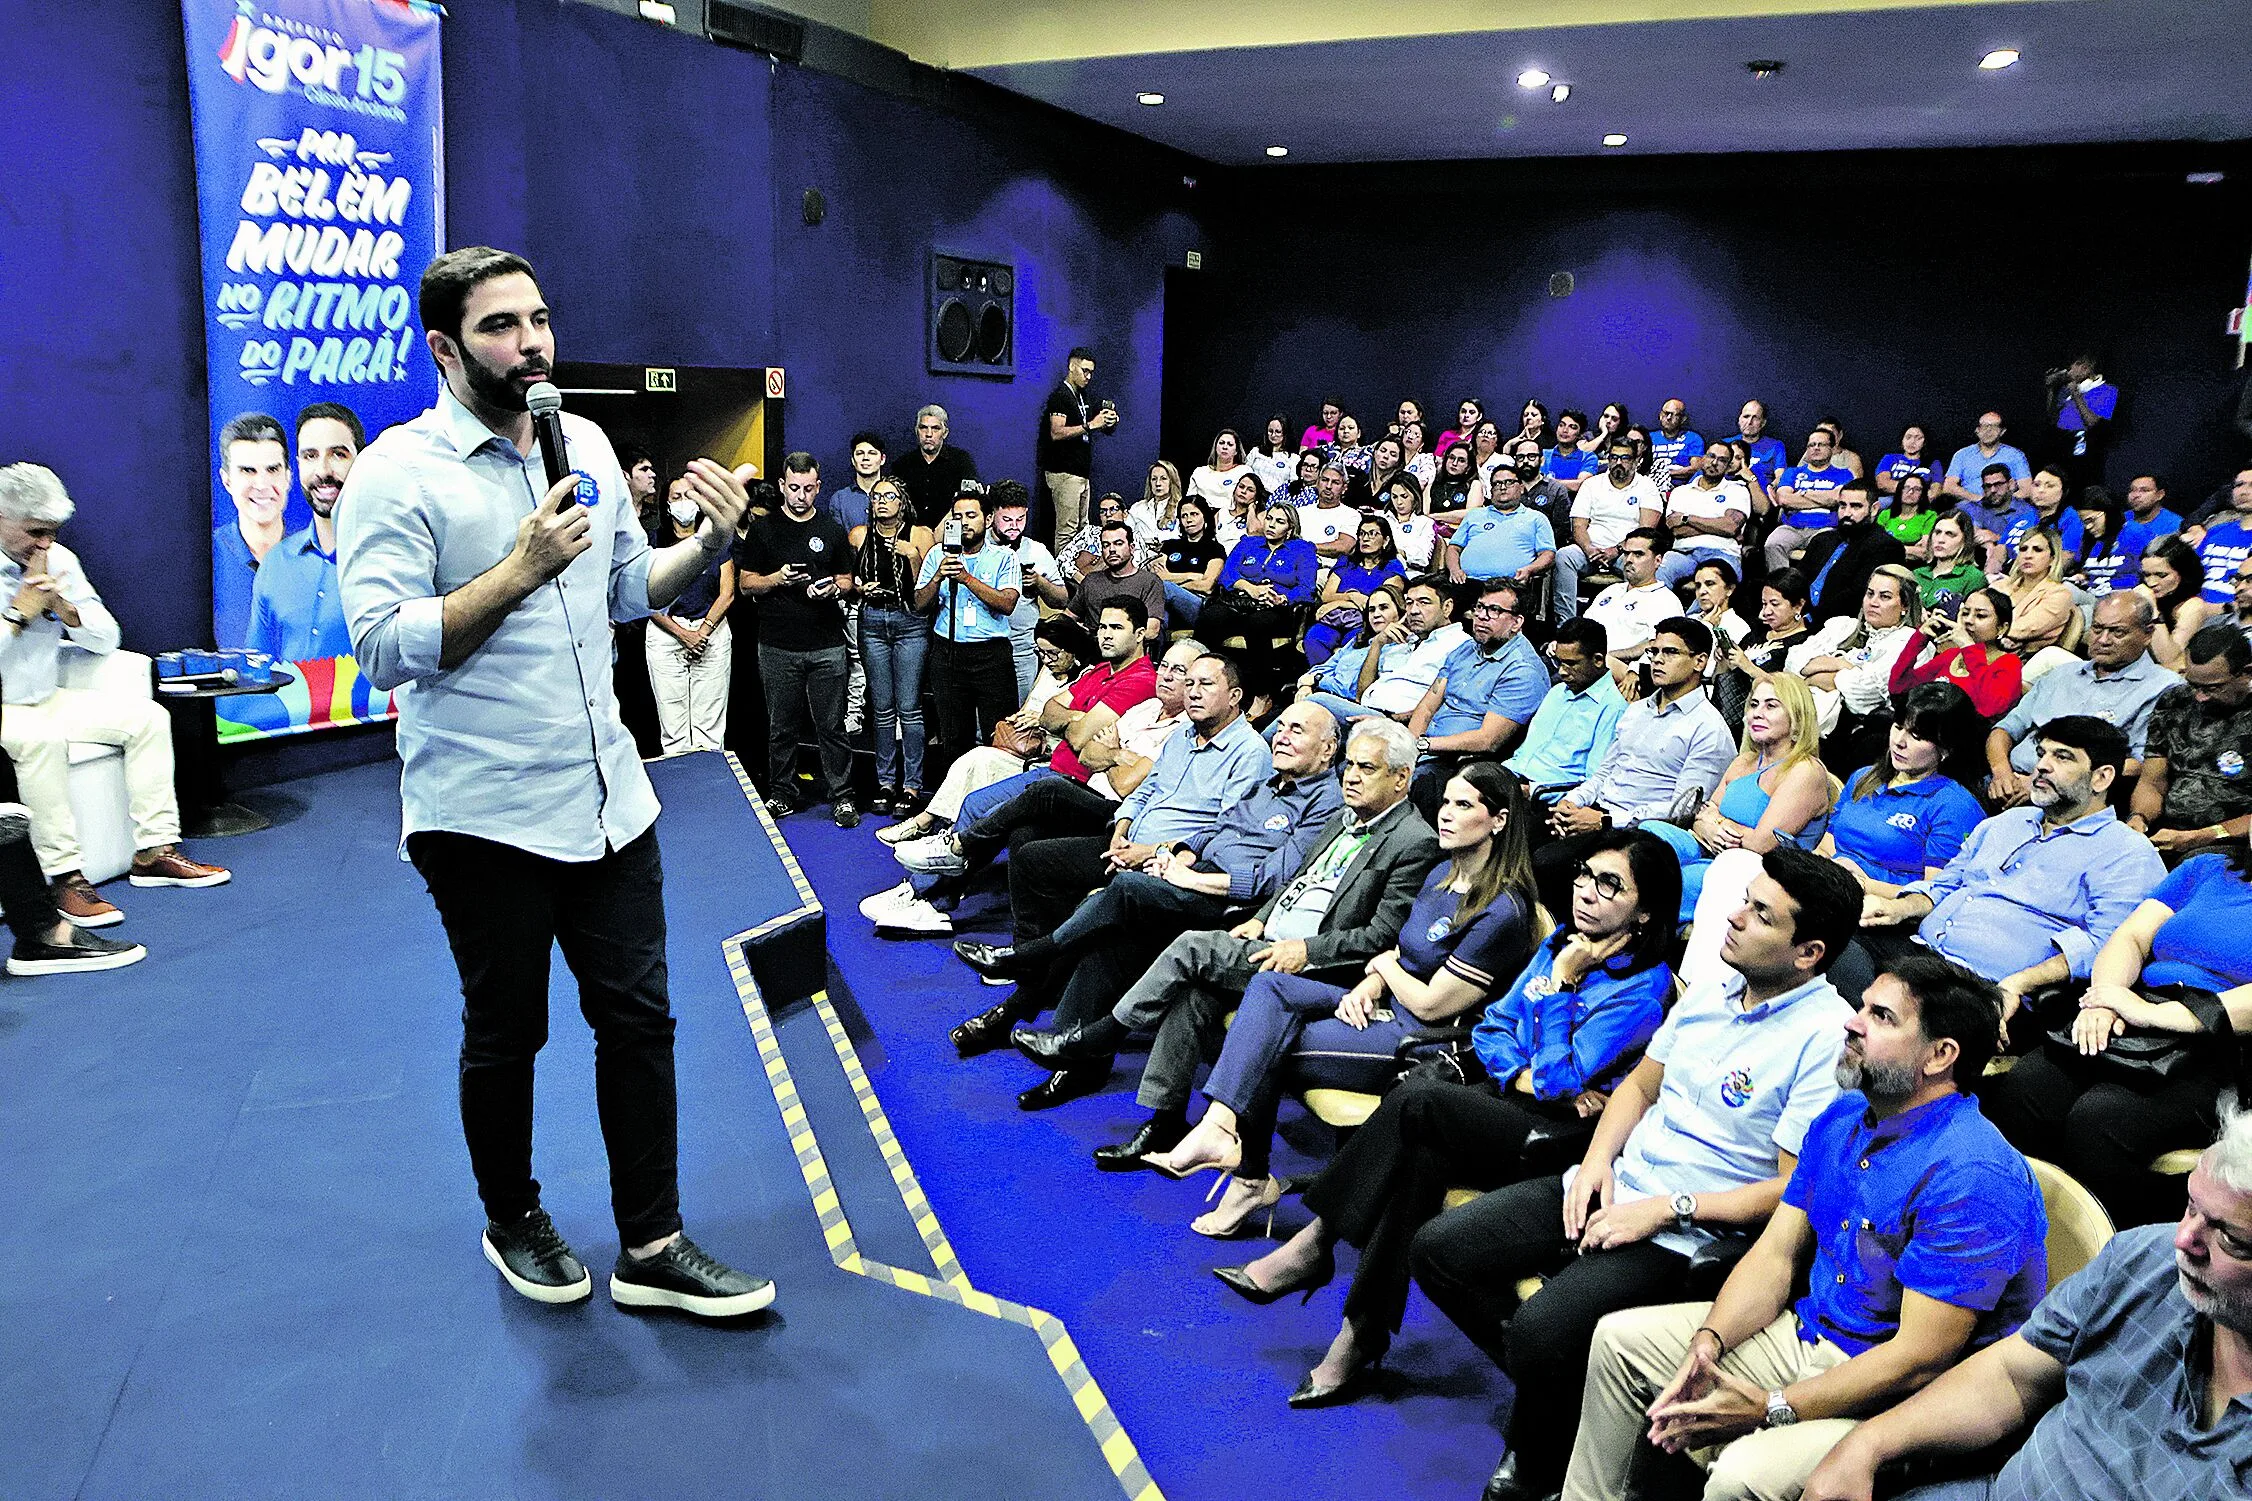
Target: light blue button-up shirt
1659,752
1569,734
2123,698
2016,893
31,659
1193,780
521,742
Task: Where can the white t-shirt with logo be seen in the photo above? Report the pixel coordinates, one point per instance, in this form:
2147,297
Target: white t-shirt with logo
1611,512
1695,501
1320,524
1630,616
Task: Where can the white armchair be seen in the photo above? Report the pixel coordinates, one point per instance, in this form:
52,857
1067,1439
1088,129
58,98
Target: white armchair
98,800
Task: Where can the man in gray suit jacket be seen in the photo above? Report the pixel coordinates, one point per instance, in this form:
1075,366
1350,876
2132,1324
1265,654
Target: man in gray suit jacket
1343,907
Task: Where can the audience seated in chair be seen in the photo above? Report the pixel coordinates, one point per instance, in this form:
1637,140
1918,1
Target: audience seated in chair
1839,562
1630,610
1577,719
1410,655
1344,906
1848,662
1942,1253
1965,651
1485,693
1266,588
1471,928
2035,891
1607,506
2119,683
2177,971
1706,517
2131,1379
1806,500
2195,792
52,608
47,943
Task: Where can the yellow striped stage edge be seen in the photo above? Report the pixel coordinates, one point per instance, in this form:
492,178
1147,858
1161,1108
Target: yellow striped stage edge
950,1283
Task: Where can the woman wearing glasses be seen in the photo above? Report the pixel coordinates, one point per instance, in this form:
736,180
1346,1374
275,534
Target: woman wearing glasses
1593,994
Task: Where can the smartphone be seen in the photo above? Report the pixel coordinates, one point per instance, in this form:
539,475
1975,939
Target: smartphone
952,536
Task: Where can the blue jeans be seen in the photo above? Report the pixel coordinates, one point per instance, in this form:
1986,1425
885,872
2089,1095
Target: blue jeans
1285,1032
893,644
1683,562
1181,607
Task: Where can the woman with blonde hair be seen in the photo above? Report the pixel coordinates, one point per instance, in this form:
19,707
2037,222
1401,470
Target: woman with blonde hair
1848,663
2040,600
1776,791
1158,513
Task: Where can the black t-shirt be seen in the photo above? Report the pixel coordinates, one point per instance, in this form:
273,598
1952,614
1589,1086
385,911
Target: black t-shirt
788,618
933,485
1184,556
1068,455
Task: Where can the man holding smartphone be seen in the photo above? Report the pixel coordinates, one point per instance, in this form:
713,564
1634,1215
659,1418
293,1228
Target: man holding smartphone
974,588
797,563
1067,447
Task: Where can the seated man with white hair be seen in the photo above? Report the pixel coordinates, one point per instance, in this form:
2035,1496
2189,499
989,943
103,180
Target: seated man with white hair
51,606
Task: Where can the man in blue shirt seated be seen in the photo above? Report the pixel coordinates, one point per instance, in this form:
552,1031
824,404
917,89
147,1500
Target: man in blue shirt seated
1673,444
1484,695
1966,468
2139,1369
2034,891
1803,499
1578,719
2119,683
2147,519
1767,453
1998,517
1920,1232
296,610
2224,542
1504,538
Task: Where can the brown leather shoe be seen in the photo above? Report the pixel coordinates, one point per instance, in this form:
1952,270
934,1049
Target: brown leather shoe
166,866
77,900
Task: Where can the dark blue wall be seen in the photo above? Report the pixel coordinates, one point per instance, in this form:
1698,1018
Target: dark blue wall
1877,287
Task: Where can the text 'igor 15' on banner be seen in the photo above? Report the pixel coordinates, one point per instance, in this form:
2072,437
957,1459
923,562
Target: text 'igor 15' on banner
318,177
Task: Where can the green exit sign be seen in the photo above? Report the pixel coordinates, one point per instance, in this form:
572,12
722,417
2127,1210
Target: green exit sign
653,379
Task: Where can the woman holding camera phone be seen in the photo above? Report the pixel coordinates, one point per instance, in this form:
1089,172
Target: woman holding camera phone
1969,655
887,553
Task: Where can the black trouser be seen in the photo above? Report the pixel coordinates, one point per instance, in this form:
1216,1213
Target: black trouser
1048,878
1468,1262
805,693
2091,1120
1260,626
1392,1177
1050,808
504,910
1112,937
26,900
1870,951
976,685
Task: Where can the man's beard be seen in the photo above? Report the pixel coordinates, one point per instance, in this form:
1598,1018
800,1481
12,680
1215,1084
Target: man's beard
1874,1080
324,507
495,389
2230,1312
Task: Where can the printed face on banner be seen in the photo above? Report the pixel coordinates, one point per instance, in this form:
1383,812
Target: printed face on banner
317,133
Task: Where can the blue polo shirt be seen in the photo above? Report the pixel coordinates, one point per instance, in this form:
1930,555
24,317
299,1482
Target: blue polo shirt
962,616
848,507
234,570
2225,547
1768,459
1510,681
1805,481
1932,1201
1496,543
1561,464
296,611
2135,535
1965,466
1569,734
1897,833
1676,452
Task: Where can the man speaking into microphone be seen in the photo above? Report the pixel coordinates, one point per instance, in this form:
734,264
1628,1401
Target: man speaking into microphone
483,594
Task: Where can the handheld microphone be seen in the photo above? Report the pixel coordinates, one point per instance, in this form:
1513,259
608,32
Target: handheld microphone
546,404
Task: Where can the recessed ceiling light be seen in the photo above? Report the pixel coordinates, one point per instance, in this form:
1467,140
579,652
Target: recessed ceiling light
1614,139
1998,59
1149,97
1561,92
1531,78
2207,179
1278,151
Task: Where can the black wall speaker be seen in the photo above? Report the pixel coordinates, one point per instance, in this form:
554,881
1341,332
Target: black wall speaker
973,323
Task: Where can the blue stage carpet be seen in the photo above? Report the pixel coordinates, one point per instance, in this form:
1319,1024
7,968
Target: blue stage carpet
1195,1375
238,1238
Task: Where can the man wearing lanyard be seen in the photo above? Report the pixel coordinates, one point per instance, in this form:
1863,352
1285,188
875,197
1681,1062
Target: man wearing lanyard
487,605
973,665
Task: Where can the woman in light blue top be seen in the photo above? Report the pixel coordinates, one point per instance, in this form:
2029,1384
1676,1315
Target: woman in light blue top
1776,791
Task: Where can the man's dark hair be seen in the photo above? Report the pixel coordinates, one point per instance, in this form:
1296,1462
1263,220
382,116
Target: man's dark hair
1694,634
2105,743
1136,613
1578,416
1991,470
873,440
1079,352
1867,490
1588,635
629,454
337,411
986,504
2222,640
1827,898
1229,670
1117,526
448,281
1474,590
1437,584
800,462
1008,492
250,427
1953,1002
1650,534
2157,480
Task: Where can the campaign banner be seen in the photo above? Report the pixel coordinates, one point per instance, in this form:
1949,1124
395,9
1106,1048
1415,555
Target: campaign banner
320,189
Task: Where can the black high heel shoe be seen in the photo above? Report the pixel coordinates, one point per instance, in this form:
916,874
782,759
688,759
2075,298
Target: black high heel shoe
1239,1280
1351,1389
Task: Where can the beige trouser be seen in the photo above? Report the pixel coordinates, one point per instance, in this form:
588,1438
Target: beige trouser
37,738
1634,1356
1069,491
691,694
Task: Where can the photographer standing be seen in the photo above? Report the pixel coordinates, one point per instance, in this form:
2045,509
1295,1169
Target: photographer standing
797,562
1067,447
2083,404
974,587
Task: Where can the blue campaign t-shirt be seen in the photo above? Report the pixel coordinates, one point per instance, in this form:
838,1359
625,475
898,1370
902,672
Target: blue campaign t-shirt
1805,481
2203,943
2070,530
1563,464
1677,451
1900,466
2134,536
1768,459
1896,833
2225,547
1931,1201
1496,543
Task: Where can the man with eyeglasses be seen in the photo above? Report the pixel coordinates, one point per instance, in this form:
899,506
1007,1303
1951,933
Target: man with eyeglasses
1964,470
1542,494
2135,1375
1607,507
2119,684
1706,517
1502,539
1672,743
1673,444
1803,495
1485,694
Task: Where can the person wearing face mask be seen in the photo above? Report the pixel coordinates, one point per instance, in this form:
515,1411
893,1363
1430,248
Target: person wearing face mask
1607,507
690,649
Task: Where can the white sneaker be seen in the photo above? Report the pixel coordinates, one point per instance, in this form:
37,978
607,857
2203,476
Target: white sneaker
935,856
916,917
884,901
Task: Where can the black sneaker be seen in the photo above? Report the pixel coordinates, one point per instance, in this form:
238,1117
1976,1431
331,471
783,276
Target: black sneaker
844,813
536,1262
83,952
780,807
684,1276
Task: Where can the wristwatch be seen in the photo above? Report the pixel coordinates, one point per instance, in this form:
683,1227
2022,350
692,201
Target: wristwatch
1423,745
1780,1413
1685,1211
15,617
